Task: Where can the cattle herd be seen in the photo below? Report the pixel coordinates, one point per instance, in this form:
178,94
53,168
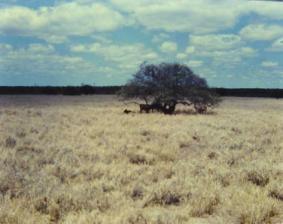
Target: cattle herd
167,108
147,108
150,107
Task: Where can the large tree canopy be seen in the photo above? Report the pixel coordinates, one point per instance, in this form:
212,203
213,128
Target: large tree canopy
165,85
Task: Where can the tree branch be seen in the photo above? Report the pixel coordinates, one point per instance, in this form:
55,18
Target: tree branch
185,103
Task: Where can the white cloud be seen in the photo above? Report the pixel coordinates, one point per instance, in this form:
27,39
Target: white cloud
82,19
205,20
226,48
233,56
268,9
220,48
277,46
269,64
20,20
195,63
79,48
5,48
196,16
181,56
37,60
160,37
126,56
53,39
55,23
248,51
215,41
190,50
261,32
168,47
40,49
85,17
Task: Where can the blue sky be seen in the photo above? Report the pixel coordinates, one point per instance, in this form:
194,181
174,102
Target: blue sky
236,43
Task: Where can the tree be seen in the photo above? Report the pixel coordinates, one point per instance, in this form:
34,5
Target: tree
165,85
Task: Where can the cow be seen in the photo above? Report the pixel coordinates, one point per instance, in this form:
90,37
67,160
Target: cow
156,106
150,107
145,107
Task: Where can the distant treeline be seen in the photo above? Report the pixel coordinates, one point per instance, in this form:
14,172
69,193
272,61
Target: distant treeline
255,92
87,89
59,90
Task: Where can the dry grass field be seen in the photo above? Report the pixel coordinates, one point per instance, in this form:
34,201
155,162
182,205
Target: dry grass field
80,159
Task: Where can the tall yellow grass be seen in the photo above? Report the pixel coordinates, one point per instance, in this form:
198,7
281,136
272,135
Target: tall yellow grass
82,160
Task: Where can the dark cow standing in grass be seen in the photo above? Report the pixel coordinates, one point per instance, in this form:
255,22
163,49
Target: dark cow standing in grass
145,108
150,107
157,106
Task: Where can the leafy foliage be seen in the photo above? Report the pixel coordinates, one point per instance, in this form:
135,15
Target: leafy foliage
167,85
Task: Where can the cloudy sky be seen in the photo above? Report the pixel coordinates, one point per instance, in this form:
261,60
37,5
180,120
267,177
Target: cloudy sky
232,43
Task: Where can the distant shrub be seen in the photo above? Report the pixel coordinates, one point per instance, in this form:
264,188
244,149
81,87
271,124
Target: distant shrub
164,198
140,159
258,178
137,193
276,193
10,142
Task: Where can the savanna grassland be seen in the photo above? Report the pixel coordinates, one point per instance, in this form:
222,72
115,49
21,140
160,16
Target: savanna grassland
80,159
